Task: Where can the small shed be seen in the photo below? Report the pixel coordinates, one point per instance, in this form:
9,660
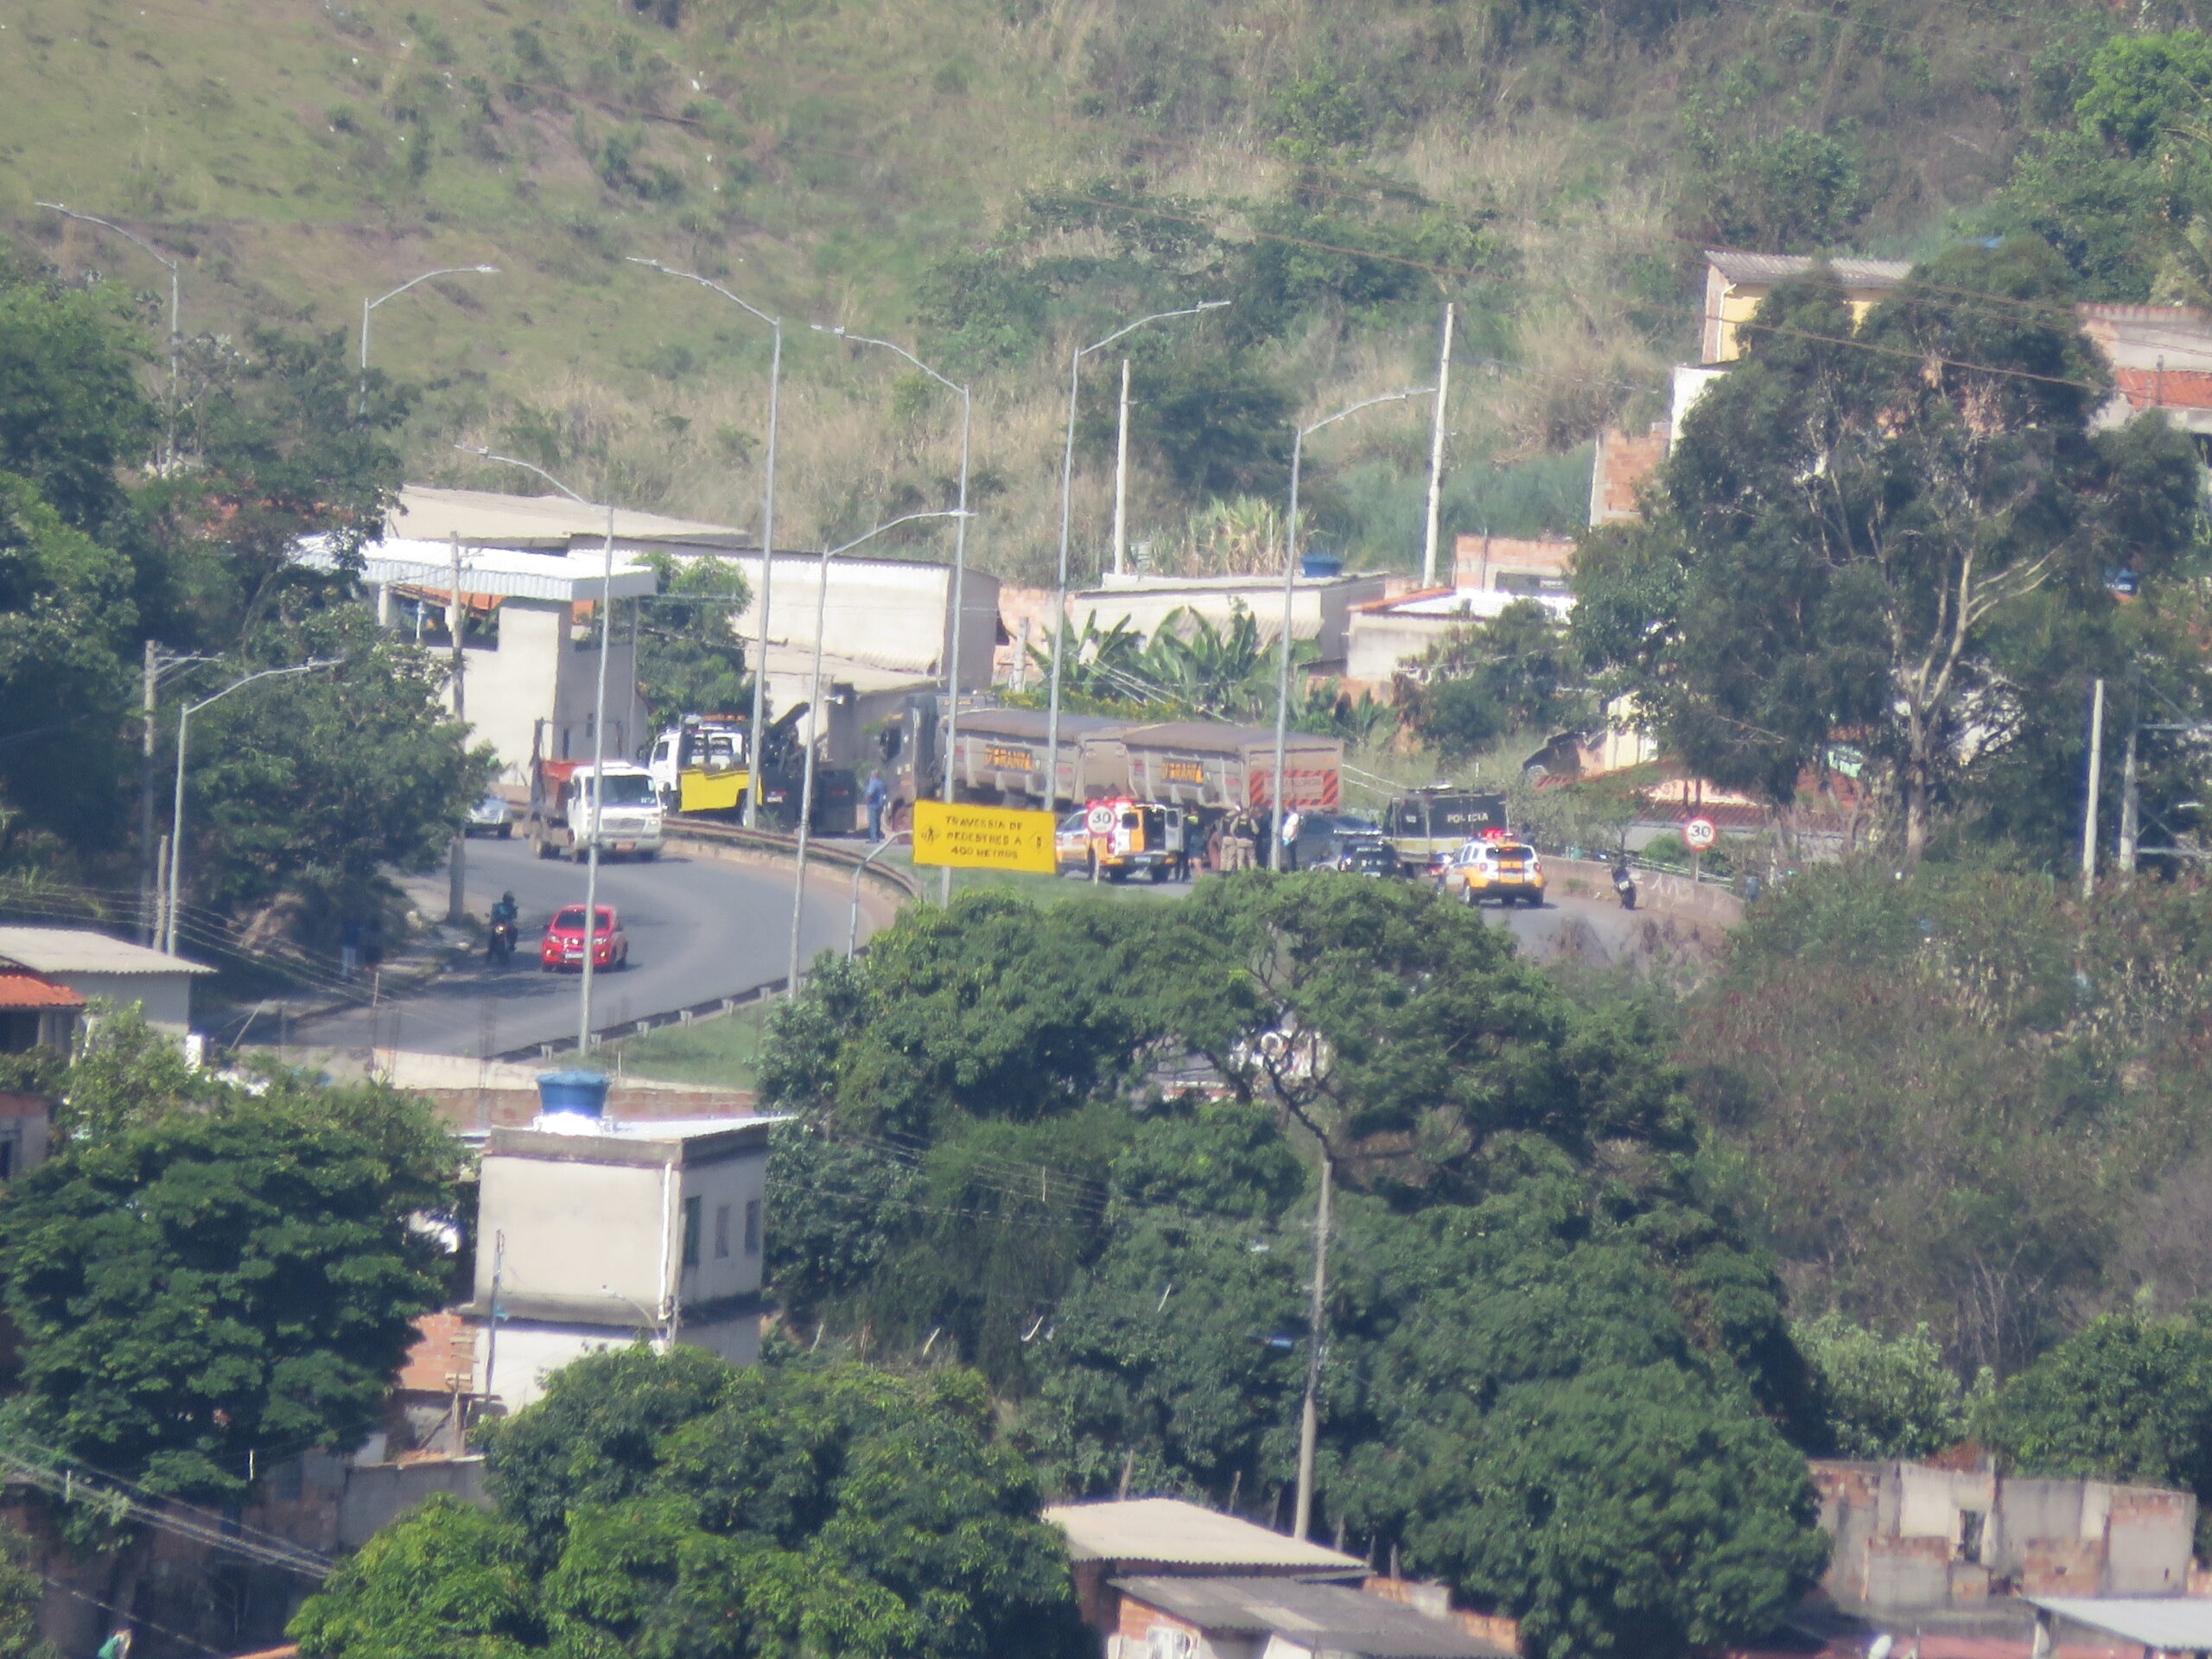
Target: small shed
1156,1537
1280,1618
37,1011
94,966
2158,1625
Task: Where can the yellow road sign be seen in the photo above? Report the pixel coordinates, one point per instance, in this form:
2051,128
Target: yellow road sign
983,837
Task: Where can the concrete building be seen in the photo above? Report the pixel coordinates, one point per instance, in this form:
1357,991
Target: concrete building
1736,283
1231,1617
2161,359
592,1233
98,968
1385,636
886,631
1168,1537
37,1011
1618,470
1525,568
1910,1536
1321,606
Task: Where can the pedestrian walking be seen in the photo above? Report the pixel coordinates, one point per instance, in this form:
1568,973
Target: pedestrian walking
876,795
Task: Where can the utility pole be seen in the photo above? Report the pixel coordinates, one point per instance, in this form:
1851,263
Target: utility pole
1121,477
148,926
457,621
1309,1413
2131,807
2096,768
1436,452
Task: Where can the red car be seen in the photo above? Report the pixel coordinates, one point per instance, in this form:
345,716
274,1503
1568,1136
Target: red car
564,940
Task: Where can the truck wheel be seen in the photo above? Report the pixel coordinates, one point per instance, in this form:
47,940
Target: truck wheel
506,832
543,848
648,853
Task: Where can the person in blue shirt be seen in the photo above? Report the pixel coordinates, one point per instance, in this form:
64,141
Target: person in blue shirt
877,797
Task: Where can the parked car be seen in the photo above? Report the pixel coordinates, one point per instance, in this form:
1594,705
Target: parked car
1376,857
490,816
1507,871
564,945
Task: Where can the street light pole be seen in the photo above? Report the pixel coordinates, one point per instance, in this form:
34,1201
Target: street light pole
767,529
959,573
176,298
597,793
368,306
814,716
1067,489
1289,591
177,812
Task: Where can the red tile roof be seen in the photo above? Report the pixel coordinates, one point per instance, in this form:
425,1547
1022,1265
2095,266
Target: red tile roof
2166,388
19,991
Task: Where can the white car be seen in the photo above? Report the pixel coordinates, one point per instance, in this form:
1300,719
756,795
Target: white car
492,817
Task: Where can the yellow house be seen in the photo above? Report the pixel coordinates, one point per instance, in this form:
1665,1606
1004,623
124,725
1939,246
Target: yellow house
1736,282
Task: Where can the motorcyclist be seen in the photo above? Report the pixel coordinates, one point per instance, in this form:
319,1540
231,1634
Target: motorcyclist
505,914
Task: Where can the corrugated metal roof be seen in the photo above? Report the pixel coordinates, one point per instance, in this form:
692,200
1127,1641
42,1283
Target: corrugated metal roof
19,991
79,950
495,519
1320,1617
1775,267
499,572
2173,1623
1169,1529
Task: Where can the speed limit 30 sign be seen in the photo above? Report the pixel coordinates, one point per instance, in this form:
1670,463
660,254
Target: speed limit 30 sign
1698,834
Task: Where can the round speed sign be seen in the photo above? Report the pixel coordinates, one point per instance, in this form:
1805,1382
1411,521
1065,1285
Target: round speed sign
1698,834
1101,820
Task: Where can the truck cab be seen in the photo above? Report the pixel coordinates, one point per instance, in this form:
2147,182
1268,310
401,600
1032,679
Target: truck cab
570,805
703,764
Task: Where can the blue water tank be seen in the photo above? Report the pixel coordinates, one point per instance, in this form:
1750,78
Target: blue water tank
581,1093
1322,565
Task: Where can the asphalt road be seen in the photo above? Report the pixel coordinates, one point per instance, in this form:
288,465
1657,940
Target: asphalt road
1577,927
700,927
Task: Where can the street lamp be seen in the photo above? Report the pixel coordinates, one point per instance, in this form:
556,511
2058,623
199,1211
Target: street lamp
176,814
368,306
659,1322
598,734
767,522
1289,587
959,568
814,710
1067,488
168,460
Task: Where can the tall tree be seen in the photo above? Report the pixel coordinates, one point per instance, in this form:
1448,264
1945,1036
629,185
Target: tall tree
654,1506
193,1286
1854,512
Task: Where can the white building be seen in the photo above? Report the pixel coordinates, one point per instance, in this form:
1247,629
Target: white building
98,968
1321,606
533,568
592,1233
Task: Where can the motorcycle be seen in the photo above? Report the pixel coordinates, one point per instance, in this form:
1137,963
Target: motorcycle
500,948
1625,885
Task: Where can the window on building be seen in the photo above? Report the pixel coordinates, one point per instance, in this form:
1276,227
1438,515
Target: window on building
721,1232
753,1227
690,1232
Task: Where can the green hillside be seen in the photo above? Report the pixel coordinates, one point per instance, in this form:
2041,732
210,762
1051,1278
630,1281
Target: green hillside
983,178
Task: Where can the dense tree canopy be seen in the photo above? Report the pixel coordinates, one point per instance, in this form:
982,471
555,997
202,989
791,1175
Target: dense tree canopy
1860,516
658,1507
1129,1257
190,1287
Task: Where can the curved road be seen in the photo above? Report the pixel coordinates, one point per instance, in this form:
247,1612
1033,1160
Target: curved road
700,927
